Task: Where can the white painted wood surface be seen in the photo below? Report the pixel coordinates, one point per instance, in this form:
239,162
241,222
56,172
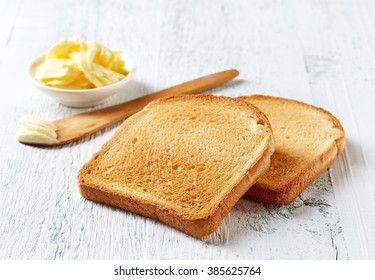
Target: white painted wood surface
321,52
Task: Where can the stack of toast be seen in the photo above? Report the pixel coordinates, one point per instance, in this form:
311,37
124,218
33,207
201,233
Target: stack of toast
187,160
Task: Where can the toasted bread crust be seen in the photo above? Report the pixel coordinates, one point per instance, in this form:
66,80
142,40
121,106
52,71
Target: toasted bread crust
197,228
190,223
281,192
263,193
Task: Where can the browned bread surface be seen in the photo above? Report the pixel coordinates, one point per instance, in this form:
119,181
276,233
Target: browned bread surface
308,140
184,161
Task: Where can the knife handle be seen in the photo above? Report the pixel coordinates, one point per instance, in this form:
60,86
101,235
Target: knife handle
81,125
199,85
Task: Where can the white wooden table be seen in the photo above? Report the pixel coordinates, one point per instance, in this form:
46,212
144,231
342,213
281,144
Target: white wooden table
320,52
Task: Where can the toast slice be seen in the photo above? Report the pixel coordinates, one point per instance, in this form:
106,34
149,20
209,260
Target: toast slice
184,161
308,140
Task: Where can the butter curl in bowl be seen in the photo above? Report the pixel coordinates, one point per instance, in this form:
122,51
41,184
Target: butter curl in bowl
81,74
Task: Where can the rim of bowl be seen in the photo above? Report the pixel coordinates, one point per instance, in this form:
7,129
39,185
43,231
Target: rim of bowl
39,59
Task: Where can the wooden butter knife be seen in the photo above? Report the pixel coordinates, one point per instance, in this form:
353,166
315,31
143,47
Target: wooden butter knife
75,127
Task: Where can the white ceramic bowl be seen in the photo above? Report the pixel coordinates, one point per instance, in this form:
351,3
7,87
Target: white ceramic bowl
82,97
